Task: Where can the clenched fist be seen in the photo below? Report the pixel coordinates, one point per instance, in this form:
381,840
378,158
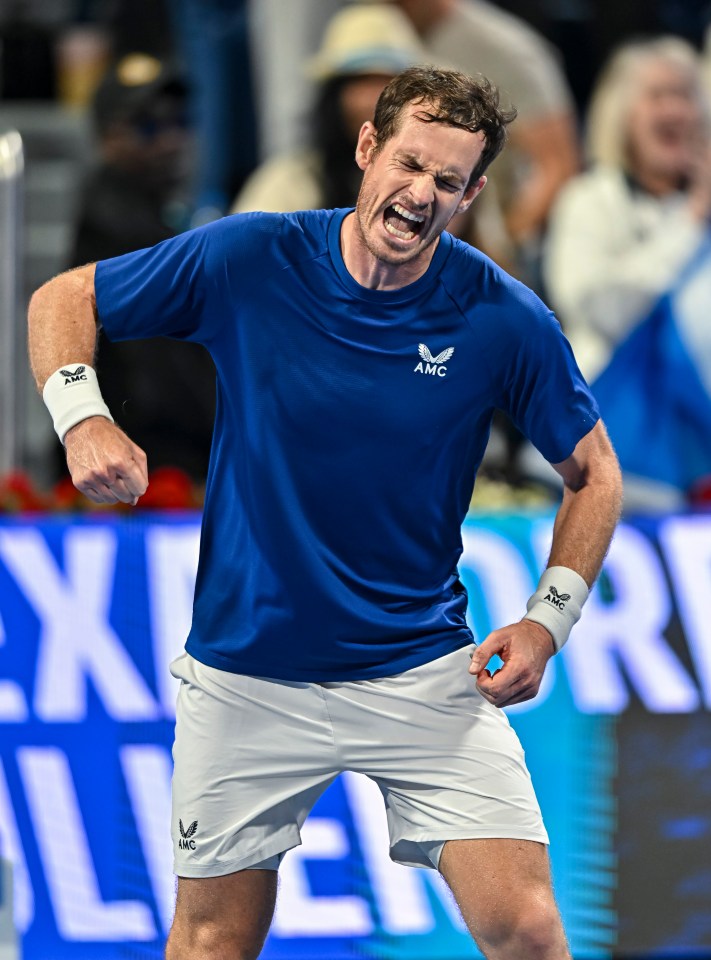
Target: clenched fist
105,465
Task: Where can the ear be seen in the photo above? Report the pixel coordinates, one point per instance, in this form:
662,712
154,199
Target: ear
365,145
470,193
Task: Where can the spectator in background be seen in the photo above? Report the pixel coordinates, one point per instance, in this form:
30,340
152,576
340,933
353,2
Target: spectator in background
134,196
628,268
621,232
162,391
476,37
364,46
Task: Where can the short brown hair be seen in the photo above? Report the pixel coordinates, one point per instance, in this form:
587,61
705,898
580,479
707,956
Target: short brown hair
450,97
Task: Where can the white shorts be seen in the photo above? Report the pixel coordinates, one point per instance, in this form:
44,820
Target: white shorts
253,755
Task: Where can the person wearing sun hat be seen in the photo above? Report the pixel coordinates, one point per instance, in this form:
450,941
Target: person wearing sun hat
364,46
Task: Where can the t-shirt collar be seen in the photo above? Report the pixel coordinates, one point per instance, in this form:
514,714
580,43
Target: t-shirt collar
403,294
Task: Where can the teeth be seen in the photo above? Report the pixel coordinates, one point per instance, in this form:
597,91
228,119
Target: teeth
407,215
401,234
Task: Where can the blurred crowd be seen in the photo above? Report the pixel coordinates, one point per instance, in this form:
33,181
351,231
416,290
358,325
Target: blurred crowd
601,202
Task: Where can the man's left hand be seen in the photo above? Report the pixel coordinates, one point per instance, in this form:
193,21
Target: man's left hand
525,648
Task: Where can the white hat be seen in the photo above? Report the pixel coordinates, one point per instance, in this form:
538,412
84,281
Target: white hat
366,38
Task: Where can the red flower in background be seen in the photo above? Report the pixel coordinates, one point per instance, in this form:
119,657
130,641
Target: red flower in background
700,494
66,498
169,488
18,494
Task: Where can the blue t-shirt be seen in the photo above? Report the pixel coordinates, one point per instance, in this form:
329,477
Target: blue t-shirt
350,424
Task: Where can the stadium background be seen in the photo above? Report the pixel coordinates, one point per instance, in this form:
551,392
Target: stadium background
618,744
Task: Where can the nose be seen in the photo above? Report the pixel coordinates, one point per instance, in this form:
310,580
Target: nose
422,189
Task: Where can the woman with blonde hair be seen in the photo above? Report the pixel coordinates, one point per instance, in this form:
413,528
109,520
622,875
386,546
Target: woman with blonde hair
621,232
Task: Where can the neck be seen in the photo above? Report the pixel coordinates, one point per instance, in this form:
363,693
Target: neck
371,272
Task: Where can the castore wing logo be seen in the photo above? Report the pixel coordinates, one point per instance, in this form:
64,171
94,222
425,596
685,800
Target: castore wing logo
186,842
433,365
557,599
73,376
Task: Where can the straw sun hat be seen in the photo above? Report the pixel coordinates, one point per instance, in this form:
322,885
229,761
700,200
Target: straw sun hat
366,38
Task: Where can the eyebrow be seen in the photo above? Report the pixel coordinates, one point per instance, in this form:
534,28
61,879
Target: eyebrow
452,176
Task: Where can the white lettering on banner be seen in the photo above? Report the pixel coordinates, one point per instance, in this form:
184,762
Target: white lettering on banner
64,849
172,559
628,631
402,903
301,914
148,770
11,848
13,705
687,545
77,640
506,585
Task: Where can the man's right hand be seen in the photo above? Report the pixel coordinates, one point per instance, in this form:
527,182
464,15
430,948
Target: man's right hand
105,465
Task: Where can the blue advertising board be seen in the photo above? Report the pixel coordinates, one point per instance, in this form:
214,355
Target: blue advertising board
92,611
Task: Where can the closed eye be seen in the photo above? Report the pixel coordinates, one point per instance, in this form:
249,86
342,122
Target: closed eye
451,186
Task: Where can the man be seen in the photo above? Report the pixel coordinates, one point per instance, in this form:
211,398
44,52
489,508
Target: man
360,355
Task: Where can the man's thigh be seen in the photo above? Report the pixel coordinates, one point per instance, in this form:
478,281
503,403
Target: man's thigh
504,886
222,916
448,763
251,758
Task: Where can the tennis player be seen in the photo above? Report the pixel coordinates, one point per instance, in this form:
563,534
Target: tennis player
360,356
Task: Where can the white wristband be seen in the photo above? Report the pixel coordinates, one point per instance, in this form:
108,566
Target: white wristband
71,395
557,603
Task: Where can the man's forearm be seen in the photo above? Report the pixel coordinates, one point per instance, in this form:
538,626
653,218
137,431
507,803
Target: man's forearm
582,533
585,523
62,323
103,462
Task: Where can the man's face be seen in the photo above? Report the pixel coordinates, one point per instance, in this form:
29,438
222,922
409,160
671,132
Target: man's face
413,186
153,146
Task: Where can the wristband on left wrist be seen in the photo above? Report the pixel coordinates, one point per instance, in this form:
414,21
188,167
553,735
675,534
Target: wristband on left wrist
558,602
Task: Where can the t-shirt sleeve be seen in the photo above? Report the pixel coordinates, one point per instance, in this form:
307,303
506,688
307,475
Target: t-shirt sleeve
545,394
159,291
179,287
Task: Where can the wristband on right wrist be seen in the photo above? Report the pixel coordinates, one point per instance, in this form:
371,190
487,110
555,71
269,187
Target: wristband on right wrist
71,395
557,603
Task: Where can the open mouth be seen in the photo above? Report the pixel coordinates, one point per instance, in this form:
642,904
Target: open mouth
670,134
402,223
